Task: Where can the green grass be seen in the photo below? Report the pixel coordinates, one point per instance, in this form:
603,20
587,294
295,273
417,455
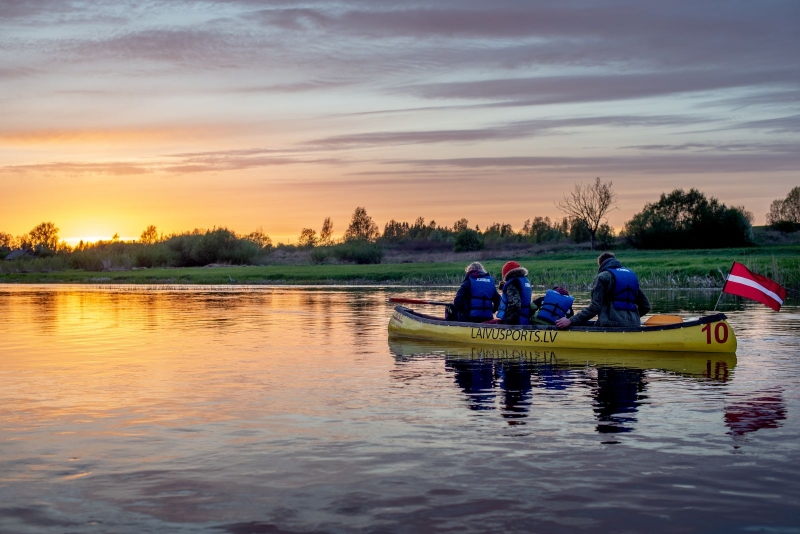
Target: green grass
656,269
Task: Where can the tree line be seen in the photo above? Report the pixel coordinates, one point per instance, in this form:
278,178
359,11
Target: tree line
680,219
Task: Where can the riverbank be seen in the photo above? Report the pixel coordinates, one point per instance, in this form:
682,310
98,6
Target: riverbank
575,270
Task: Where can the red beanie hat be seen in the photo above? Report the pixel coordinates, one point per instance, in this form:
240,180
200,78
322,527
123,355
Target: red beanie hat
561,291
509,266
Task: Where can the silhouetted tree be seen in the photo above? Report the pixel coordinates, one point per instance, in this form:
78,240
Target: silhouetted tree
785,213
460,225
326,235
590,204
394,231
467,241
7,241
308,238
149,236
688,220
259,238
44,235
362,227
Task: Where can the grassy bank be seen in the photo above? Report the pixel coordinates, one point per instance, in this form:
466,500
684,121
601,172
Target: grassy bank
656,269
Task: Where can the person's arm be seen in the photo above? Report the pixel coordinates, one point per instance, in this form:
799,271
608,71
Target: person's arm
598,294
495,302
536,304
642,303
462,295
513,305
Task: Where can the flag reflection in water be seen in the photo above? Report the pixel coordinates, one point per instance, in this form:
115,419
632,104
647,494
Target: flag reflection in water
748,413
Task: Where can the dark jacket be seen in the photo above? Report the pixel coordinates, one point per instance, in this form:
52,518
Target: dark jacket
463,297
602,302
514,297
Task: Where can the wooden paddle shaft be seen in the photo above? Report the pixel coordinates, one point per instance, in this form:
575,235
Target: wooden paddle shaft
416,301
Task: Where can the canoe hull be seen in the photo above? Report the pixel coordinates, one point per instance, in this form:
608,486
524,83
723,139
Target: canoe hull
707,334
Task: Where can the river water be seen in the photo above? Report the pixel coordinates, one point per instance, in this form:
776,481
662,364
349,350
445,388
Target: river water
287,410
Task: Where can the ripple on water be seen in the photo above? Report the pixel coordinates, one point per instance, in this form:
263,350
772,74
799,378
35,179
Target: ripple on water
287,410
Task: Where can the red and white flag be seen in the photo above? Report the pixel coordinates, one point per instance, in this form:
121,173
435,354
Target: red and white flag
754,286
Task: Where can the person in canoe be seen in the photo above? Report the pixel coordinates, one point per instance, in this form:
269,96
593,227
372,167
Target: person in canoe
617,300
477,299
555,304
515,302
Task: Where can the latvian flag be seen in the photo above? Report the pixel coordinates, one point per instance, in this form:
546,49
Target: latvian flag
753,286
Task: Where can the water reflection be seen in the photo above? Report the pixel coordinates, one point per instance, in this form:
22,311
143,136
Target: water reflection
613,382
237,409
755,411
617,393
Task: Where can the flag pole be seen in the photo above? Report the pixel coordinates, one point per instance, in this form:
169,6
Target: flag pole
723,286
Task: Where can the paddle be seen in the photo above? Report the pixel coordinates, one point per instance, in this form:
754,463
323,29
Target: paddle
415,301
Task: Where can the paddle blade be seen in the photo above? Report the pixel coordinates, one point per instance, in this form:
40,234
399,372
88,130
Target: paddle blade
661,320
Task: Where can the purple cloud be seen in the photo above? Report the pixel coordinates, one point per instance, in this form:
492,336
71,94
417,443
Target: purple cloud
514,130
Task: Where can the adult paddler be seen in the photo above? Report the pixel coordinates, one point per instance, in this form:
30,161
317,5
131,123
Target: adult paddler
617,300
477,298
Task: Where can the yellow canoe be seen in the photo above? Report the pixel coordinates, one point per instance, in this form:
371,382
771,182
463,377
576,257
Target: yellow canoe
711,333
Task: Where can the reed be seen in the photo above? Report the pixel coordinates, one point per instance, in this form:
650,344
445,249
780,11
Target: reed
575,270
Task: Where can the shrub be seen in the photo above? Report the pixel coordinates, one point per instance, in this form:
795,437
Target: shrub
468,241
156,255
684,220
787,227
214,246
87,260
319,255
358,252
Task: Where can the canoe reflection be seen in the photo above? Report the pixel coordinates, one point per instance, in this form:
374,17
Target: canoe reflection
616,381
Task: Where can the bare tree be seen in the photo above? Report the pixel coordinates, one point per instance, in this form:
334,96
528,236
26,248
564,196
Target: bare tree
362,227
308,238
326,234
149,236
589,204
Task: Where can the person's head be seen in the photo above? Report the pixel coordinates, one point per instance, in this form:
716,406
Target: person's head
475,266
561,291
509,266
604,256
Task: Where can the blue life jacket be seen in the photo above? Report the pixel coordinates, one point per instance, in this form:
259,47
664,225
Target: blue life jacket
626,288
555,306
525,293
481,292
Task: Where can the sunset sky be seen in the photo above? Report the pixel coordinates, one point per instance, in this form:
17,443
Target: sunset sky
258,113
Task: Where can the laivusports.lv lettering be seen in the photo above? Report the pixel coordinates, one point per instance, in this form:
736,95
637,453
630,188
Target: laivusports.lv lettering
500,334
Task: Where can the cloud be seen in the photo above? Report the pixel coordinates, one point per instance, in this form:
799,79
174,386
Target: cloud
763,148
74,168
788,124
18,9
657,164
769,98
295,87
596,88
513,130
232,163
10,73
195,46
